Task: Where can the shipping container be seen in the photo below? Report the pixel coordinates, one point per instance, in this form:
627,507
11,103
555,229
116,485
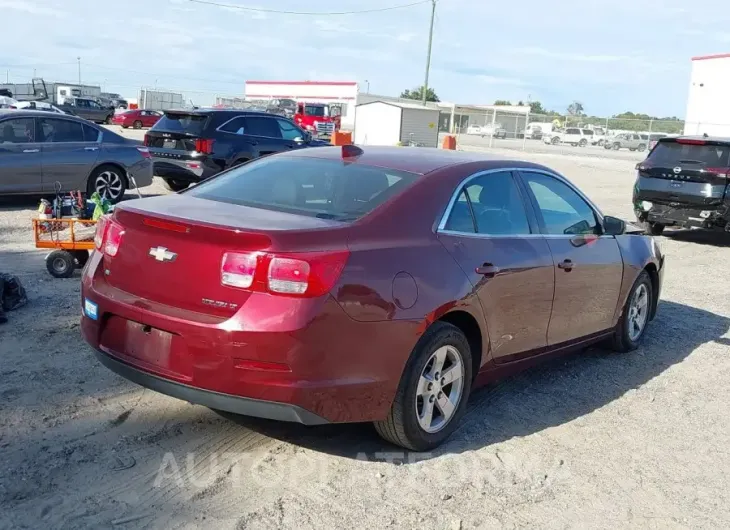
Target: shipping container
160,100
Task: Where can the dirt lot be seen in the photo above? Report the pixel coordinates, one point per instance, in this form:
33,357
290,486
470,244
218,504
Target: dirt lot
596,440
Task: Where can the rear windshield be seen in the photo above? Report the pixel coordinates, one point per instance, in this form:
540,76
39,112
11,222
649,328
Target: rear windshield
328,189
184,123
673,154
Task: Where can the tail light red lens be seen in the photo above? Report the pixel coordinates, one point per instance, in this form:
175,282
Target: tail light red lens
204,146
308,274
101,225
147,139
719,171
144,152
690,141
113,238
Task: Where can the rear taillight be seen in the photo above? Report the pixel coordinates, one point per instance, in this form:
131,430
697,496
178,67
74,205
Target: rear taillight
113,238
101,225
108,236
204,146
147,139
690,141
302,274
719,171
145,152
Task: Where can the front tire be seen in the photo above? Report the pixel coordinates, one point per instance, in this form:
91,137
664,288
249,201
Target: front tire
433,391
109,182
642,147
175,185
616,146
582,143
555,141
635,315
137,124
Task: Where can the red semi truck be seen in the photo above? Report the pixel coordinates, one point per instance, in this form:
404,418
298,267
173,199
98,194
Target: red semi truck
319,119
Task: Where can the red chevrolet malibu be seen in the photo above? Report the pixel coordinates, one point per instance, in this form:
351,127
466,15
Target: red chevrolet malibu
136,118
361,285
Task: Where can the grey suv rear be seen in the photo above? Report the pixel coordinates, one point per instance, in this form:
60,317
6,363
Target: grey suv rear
630,141
684,183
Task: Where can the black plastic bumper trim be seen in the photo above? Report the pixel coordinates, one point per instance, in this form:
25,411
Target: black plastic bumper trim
216,400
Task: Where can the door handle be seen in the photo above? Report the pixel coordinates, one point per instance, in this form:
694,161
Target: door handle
31,150
566,265
91,148
488,270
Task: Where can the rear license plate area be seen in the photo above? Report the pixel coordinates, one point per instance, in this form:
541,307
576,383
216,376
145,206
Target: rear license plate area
169,144
150,348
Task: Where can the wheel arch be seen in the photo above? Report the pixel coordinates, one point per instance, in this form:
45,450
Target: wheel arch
653,272
469,326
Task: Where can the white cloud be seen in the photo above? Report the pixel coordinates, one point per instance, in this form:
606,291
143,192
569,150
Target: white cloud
30,8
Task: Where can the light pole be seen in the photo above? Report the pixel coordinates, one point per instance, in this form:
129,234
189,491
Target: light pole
79,60
367,90
428,55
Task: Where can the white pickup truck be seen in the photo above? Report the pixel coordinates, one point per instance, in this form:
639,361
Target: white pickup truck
571,135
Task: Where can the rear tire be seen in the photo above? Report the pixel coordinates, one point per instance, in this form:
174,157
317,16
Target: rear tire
616,146
422,388
635,316
582,143
137,124
642,147
61,264
555,141
109,182
655,229
175,185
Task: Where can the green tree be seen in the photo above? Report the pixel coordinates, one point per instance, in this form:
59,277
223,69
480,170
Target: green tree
576,109
502,102
417,93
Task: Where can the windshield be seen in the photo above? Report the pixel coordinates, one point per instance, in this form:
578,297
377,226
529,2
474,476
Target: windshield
328,189
315,110
673,154
192,124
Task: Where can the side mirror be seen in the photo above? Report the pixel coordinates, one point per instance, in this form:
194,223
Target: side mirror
306,137
613,226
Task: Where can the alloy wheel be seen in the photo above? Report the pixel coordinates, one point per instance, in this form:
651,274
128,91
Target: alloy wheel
440,388
109,185
638,312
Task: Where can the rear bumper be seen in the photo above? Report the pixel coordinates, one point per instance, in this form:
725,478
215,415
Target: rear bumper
336,369
208,398
684,217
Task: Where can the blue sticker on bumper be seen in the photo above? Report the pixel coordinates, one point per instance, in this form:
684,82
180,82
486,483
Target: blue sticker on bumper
91,309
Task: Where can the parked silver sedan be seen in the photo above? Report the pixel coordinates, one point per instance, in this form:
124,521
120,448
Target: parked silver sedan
38,149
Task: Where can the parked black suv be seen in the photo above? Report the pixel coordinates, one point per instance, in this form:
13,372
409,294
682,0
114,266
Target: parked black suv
191,145
684,182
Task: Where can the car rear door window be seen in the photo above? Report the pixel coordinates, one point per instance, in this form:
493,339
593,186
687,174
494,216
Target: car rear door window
262,126
91,134
563,210
490,204
235,126
329,189
17,131
60,131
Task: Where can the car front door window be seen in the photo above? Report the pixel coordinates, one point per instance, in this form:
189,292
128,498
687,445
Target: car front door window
563,210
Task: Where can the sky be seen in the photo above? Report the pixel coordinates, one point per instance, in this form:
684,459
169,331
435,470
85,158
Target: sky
611,55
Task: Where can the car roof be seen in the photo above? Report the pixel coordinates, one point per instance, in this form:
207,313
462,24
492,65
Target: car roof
420,160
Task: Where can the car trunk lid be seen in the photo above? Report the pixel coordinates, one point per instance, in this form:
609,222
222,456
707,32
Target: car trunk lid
173,247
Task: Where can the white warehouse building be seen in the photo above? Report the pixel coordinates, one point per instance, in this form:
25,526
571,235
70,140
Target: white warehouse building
708,104
342,93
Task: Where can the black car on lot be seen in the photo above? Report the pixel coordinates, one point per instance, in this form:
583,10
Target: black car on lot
684,183
190,145
87,108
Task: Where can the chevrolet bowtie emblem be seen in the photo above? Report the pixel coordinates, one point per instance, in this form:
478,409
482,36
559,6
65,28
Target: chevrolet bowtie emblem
162,254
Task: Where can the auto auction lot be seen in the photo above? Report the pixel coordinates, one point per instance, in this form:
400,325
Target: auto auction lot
595,440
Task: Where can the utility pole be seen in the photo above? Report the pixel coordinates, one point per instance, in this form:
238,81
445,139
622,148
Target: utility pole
428,56
368,88
79,60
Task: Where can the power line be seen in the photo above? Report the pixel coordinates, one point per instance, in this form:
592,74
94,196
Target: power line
314,13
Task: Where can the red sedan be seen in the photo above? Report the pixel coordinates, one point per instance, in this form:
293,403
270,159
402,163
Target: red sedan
353,285
136,118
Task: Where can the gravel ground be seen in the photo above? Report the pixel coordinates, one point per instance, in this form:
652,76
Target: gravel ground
596,440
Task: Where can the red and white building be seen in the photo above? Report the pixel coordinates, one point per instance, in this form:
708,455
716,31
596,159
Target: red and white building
708,103
340,92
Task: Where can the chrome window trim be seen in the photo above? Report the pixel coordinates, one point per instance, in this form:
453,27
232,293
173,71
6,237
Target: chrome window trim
441,227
